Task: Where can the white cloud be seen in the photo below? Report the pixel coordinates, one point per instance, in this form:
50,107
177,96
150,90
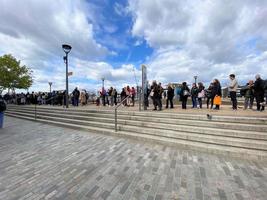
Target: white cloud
33,31
40,28
202,37
177,66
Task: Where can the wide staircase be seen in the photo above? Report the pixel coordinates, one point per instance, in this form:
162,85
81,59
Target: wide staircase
244,137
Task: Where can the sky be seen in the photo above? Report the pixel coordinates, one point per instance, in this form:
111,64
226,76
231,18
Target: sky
176,40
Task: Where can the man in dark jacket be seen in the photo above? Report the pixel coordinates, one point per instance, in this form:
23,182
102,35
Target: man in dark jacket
76,95
259,92
170,95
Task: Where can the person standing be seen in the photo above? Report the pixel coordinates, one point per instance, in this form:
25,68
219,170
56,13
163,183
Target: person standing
160,88
111,96
185,93
249,98
2,110
259,92
232,89
153,94
123,96
170,95
194,93
115,96
103,96
216,92
146,95
133,93
201,94
76,96
83,98
208,94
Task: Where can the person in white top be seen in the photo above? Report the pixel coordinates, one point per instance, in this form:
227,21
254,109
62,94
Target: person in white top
232,89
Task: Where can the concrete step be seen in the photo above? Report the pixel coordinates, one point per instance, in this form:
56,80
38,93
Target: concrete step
171,121
199,117
63,119
164,126
197,137
185,144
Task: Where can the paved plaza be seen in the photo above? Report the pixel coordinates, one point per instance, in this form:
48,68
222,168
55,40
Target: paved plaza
40,161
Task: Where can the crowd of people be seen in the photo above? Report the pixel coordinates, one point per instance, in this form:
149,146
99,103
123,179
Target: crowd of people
111,96
255,90
47,98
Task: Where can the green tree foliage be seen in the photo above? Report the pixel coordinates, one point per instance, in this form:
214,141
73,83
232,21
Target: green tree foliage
13,75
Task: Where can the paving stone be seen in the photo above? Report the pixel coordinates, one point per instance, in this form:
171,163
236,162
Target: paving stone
92,191
222,194
147,187
39,161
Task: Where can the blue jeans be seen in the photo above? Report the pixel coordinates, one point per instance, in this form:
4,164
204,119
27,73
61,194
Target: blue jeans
194,102
76,102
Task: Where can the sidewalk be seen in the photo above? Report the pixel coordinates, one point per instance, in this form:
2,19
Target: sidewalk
40,161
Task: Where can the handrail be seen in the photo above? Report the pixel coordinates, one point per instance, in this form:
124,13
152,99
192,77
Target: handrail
116,108
35,111
53,97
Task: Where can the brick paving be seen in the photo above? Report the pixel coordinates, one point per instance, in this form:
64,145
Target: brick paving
40,161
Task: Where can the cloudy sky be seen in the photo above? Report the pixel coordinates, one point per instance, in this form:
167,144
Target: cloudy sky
112,39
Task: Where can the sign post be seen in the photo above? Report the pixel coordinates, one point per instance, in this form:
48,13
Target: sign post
144,86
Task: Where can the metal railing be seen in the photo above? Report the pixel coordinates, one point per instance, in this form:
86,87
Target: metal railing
46,100
116,111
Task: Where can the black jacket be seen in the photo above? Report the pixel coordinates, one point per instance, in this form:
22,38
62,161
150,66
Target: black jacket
170,93
216,90
259,87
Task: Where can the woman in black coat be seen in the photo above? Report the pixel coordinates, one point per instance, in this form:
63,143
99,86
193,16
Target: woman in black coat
216,90
185,93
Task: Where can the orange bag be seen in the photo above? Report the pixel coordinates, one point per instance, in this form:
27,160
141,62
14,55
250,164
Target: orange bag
217,100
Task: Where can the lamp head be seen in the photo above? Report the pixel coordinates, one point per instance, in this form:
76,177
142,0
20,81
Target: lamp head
66,48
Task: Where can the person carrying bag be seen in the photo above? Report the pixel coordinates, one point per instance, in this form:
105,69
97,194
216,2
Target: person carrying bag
217,100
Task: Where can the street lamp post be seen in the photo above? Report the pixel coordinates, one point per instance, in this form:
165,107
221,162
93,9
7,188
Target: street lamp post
50,84
66,48
103,82
195,77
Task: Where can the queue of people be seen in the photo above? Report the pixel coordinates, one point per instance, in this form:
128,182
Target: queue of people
255,90
55,98
111,96
213,94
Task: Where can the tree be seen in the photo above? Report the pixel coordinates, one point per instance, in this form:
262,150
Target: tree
13,75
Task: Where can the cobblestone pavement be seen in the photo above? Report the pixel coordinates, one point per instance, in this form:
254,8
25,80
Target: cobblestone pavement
40,161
